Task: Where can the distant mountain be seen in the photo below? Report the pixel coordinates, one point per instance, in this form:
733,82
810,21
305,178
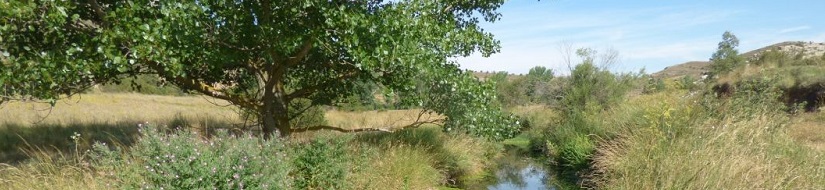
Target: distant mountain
697,68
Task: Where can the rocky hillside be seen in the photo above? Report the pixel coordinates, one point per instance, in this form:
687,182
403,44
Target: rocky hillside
697,68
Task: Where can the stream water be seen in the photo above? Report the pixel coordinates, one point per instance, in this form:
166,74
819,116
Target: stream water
518,171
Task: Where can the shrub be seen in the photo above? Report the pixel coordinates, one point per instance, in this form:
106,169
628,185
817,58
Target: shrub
687,83
653,86
320,164
180,159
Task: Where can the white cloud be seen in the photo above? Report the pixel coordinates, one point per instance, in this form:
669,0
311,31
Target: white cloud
794,29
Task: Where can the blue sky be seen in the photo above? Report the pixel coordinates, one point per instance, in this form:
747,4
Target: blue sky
647,34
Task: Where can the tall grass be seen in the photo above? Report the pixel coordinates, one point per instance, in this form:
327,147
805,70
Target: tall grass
460,159
49,170
678,144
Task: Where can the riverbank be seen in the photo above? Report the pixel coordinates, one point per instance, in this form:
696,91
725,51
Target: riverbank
678,139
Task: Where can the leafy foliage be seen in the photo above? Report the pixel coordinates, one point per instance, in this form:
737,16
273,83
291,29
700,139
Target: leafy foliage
466,101
535,87
258,55
726,56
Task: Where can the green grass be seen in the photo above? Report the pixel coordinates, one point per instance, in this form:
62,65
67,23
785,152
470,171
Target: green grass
462,159
520,141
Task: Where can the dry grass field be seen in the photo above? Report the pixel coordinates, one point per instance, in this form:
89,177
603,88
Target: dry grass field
116,108
38,152
386,119
130,107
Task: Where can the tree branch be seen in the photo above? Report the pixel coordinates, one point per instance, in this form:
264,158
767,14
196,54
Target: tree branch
292,61
331,128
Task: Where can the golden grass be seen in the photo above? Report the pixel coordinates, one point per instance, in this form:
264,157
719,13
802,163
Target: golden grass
115,108
386,119
44,175
738,152
542,116
51,171
808,128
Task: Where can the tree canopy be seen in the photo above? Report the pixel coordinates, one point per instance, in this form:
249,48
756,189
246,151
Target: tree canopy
726,56
259,55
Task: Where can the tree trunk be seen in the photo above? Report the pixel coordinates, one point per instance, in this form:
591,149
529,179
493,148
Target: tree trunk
268,123
275,112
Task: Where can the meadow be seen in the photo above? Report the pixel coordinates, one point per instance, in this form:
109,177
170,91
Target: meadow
45,147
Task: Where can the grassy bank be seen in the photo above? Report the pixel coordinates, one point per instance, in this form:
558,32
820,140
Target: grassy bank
680,145
677,139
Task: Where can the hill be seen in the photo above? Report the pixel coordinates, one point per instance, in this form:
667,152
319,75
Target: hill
697,68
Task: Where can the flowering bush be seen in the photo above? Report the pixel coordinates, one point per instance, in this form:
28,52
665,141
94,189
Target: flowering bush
183,160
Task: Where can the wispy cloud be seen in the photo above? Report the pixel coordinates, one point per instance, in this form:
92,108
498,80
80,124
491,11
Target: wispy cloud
647,35
794,29
640,35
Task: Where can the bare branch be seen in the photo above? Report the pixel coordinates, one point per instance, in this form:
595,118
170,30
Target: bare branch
566,50
331,128
609,58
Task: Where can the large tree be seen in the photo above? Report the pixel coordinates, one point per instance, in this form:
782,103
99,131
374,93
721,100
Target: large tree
259,55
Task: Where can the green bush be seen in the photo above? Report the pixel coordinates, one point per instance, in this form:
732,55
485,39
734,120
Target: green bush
687,83
180,159
654,85
320,164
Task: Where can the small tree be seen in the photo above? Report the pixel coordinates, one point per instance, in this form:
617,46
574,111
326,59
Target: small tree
726,56
536,83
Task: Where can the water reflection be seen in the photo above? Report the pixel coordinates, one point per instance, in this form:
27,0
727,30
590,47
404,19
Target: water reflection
518,171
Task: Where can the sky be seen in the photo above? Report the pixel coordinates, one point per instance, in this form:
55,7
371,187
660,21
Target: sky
651,34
